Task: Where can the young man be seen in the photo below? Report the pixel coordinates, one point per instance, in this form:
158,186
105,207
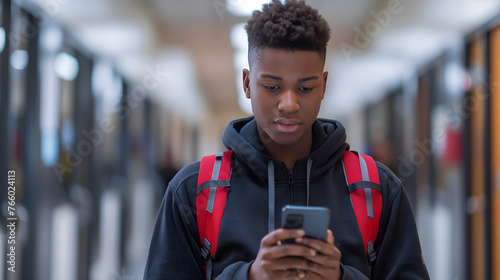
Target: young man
284,155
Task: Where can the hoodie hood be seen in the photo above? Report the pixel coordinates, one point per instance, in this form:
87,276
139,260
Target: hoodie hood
328,144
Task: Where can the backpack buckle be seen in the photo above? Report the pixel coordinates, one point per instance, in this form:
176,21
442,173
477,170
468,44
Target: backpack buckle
372,255
205,249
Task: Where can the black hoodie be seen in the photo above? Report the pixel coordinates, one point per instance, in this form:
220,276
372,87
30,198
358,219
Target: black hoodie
316,180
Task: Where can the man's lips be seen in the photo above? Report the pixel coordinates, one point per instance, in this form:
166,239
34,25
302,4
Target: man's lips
287,125
286,121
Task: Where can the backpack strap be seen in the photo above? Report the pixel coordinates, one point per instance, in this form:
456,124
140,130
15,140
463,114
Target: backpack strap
366,196
212,188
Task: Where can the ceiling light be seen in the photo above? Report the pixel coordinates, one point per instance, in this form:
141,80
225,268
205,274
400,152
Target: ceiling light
51,38
66,66
19,59
2,39
244,8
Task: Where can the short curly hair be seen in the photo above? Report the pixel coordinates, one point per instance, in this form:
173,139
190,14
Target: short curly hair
292,26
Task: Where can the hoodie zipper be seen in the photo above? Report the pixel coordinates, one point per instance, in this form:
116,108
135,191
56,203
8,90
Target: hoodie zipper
290,184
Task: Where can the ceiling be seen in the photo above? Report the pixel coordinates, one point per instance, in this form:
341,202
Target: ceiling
190,40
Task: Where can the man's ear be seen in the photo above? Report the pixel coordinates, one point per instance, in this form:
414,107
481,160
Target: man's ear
246,82
325,77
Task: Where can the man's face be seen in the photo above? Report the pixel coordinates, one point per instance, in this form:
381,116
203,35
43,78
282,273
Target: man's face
286,89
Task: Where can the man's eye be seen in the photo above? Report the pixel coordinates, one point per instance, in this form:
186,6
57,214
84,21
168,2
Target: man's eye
272,88
305,89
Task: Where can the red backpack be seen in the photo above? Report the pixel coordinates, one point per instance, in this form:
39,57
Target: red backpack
213,182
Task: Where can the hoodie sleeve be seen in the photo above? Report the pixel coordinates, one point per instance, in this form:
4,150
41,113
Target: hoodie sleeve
399,255
350,273
236,271
174,251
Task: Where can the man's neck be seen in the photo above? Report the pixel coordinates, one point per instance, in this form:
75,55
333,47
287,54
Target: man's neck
291,153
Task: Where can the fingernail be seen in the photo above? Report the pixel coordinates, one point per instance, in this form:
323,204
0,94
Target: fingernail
302,274
299,239
312,252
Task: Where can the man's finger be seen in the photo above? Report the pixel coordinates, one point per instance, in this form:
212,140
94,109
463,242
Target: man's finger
329,237
281,234
293,250
316,244
293,274
319,245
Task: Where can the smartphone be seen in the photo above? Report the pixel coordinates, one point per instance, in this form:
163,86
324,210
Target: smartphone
314,220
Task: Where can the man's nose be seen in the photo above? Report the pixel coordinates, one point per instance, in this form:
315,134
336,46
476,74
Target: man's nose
289,102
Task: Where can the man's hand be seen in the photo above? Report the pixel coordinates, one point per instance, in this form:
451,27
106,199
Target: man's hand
307,259
326,263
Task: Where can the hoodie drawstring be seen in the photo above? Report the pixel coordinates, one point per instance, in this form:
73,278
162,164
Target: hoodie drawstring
308,177
272,202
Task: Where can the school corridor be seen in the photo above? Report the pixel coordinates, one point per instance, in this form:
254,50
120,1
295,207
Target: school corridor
103,101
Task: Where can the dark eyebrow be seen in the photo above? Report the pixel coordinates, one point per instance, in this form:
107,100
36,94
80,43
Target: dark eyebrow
280,79
309,78
271,77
